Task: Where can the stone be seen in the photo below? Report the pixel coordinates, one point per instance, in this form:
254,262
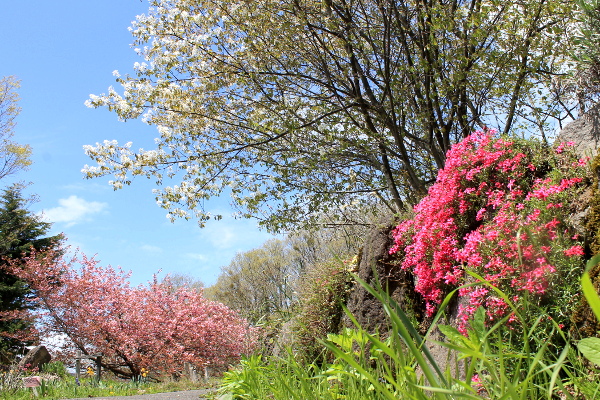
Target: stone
375,260
584,132
35,358
32,381
285,338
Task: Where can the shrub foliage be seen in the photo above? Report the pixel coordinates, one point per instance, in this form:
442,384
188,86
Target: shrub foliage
497,208
326,287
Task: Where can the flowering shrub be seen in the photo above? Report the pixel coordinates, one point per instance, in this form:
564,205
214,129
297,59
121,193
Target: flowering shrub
497,208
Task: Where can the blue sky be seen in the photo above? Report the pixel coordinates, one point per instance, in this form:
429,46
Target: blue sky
63,51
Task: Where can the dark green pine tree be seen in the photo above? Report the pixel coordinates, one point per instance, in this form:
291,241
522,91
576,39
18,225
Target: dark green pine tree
20,231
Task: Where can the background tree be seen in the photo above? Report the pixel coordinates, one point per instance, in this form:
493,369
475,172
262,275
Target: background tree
183,281
302,106
21,231
149,326
262,284
269,285
258,283
13,156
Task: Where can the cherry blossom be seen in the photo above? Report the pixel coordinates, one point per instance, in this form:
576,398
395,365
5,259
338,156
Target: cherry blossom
148,326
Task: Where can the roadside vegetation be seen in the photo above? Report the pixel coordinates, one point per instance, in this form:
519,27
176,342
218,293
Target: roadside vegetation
487,362
58,384
490,233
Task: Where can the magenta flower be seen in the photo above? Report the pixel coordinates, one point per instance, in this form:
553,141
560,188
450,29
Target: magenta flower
490,211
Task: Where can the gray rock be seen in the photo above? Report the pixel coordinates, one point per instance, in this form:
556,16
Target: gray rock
375,260
286,338
35,358
584,132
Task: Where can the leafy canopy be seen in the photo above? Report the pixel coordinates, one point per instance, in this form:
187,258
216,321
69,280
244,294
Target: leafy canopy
303,107
13,156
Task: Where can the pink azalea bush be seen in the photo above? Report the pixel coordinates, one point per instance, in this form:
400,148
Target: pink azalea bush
148,327
498,208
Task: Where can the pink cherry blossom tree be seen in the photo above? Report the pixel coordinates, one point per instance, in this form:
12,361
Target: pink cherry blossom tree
149,326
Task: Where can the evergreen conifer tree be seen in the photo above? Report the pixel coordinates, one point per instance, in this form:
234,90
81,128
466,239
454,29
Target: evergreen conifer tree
20,231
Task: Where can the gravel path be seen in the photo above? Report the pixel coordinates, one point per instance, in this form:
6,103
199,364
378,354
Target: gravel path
186,395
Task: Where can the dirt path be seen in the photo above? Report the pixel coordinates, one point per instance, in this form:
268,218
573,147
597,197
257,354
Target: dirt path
186,395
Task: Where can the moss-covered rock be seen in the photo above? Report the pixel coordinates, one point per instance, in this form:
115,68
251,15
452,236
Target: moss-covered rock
376,263
583,322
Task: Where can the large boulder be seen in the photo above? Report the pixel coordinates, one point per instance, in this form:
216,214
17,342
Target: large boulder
375,262
35,358
584,132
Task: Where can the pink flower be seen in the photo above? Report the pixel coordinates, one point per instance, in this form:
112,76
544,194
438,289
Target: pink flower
575,250
480,214
562,146
534,215
470,218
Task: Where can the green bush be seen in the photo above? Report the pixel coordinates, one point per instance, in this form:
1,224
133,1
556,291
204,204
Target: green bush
324,290
56,368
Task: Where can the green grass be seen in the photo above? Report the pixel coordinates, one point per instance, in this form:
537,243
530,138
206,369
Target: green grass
519,363
54,387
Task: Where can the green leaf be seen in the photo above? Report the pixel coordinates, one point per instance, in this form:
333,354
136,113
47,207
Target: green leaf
588,287
478,325
454,336
590,348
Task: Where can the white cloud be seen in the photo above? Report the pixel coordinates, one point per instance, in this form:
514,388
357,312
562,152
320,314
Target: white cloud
73,210
231,235
151,249
221,236
196,256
